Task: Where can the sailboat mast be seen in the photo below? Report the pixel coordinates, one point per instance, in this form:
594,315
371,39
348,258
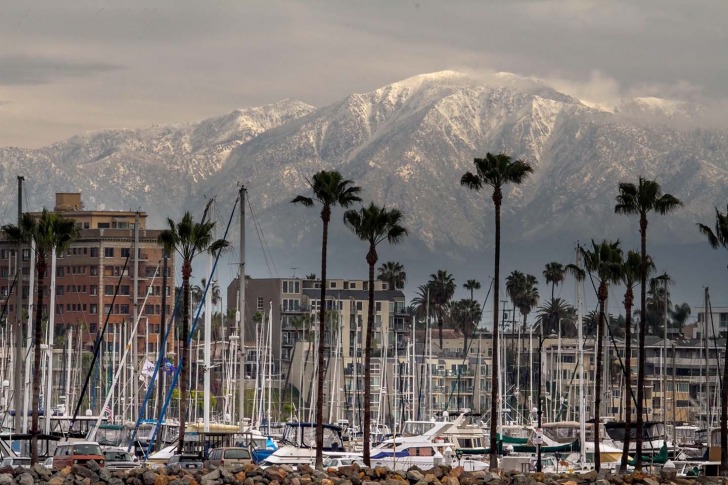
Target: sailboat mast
206,350
241,312
51,335
31,306
580,337
17,331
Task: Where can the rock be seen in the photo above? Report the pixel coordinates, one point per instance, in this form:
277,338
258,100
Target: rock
85,472
650,481
326,481
25,479
492,477
6,479
601,481
414,475
213,475
457,471
161,479
448,480
116,481
149,477
93,466
56,481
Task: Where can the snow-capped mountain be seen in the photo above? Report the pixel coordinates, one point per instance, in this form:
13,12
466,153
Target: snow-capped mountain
407,144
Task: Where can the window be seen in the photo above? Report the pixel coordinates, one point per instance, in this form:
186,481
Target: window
124,290
59,309
109,289
93,290
4,291
359,306
94,271
93,309
26,254
291,286
149,310
259,306
124,309
378,306
332,284
107,309
125,252
108,252
103,225
291,305
59,290
94,252
723,319
60,270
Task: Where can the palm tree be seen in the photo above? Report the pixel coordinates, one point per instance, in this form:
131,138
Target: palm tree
420,302
51,232
523,292
188,239
604,259
394,274
471,285
562,310
329,189
554,274
495,171
680,314
716,238
442,288
631,267
464,315
374,225
640,199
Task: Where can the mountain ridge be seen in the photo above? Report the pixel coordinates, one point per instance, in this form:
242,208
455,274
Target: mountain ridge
406,144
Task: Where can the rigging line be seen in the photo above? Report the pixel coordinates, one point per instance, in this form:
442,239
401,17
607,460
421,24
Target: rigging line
189,337
709,312
99,341
263,241
7,300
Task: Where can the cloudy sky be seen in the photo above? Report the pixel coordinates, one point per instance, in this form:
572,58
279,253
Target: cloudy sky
76,65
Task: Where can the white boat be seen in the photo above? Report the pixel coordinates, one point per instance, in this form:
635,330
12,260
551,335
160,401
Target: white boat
298,444
423,452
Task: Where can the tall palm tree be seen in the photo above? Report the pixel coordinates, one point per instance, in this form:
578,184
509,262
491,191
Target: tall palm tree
523,291
330,189
641,198
631,268
471,286
442,288
373,225
562,310
717,238
51,232
495,171
465,315
554,274
680,314
420,302
604,260
394,274
188,238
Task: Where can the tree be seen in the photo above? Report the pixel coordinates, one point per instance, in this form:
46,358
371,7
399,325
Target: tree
373,225
188,239
552,312
465,315
646,196
495,171
523,292
51,232
330,189
420,302
471,286
680,314
394,274
719,237
442,288
631,270
554,274
604,260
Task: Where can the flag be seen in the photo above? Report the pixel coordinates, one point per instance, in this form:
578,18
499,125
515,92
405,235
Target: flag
108,413
169,368
148,368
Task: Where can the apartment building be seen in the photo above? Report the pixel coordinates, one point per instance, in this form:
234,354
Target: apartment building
111,274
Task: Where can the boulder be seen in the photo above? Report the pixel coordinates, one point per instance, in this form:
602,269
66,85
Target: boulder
149,477
56,481
414,475
25,479
6,479
85,472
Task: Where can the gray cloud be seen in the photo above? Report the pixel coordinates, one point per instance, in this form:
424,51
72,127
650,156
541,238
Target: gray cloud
39,70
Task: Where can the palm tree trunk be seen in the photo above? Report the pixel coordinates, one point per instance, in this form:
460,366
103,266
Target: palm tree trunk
641,343
439,325
724,417
372,260
628,297
497,199
186,273
598,377
37,340
325,217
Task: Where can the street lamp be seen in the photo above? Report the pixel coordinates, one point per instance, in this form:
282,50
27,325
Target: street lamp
539,437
